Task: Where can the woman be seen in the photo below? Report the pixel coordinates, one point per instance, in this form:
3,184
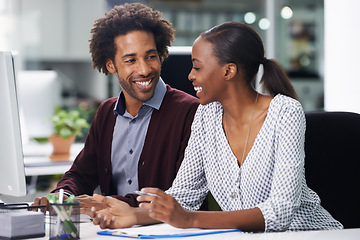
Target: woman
246,148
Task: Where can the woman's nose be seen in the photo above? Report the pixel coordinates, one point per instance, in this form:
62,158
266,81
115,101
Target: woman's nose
191,76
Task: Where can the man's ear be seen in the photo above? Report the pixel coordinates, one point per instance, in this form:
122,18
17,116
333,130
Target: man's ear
230,71
110,66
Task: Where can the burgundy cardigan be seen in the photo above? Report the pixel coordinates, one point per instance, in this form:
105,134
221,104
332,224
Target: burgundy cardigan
163,151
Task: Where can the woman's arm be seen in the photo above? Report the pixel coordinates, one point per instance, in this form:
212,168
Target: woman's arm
287,180
250,220
165,208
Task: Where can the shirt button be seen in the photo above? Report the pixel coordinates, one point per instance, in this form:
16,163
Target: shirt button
131,151
233,195
129,181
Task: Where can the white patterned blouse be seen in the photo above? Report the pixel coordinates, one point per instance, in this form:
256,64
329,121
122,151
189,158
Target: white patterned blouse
271,178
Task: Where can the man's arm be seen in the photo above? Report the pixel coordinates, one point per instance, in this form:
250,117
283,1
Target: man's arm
119,214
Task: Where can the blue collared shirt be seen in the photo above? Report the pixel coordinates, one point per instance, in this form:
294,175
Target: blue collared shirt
128,140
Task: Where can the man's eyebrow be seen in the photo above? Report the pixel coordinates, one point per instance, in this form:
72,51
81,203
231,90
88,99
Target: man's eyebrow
129,55
151,51
134,54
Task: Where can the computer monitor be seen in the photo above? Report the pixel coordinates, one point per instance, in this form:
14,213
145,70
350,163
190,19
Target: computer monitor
12,173
176,68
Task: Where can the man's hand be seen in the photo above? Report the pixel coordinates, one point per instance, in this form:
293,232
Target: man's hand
41,201
118,214
87,203
44,202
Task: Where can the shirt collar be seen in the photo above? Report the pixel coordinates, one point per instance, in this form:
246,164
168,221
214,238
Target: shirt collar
154,102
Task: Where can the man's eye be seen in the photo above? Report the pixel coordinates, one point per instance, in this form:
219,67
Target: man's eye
152,56
130,60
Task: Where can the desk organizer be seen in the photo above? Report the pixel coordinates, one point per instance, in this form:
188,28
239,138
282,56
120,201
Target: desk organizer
19,221
64,220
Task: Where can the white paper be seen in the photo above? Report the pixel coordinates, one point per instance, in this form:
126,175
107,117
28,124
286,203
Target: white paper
163,229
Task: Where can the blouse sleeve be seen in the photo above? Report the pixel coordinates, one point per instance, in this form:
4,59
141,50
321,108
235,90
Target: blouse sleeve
190,186
288,173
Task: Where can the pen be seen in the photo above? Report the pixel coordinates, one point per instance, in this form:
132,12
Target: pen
144,193
69,225
61,197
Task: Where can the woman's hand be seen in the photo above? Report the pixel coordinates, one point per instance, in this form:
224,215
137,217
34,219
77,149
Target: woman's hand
165,208
117,214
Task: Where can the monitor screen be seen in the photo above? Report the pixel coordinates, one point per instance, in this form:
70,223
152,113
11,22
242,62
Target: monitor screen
12,173
176,68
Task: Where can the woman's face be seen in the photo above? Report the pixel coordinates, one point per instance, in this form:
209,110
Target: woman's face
207,75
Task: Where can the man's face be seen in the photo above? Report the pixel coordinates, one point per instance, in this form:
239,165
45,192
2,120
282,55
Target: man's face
137,65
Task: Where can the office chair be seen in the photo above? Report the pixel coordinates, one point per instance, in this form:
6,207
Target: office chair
332,163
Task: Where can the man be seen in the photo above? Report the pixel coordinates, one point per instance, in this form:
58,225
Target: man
137,139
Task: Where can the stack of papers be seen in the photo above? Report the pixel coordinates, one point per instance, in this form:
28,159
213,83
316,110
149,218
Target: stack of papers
21,224
162,231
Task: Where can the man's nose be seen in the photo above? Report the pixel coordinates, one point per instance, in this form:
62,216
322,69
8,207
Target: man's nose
144,68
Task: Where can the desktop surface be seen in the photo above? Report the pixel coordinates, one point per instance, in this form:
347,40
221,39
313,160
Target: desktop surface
89,231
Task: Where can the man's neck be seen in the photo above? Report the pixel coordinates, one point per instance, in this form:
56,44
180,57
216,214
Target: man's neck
133,107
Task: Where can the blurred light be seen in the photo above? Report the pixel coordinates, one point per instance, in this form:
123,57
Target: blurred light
250,17
305,61
286,12
264,23
2,6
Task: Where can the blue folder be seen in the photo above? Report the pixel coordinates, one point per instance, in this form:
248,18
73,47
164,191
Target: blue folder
119,233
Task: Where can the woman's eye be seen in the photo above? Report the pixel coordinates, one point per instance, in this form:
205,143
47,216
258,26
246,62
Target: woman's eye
196,68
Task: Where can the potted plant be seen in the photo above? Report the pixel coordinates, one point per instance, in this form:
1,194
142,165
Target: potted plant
67,125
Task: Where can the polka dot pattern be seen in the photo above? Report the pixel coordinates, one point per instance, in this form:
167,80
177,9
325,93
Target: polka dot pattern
271,178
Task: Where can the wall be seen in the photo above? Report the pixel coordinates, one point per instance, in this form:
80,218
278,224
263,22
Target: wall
342,55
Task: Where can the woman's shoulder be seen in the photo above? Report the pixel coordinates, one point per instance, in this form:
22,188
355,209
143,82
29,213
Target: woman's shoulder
284,103
207,115
210,109
284,108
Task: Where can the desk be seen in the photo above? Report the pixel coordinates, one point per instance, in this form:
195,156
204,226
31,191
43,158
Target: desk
37,161
88,231
38,166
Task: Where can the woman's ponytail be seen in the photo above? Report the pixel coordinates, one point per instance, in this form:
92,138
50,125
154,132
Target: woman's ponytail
275,79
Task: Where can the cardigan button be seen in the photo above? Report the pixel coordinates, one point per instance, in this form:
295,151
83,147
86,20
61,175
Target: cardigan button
106,171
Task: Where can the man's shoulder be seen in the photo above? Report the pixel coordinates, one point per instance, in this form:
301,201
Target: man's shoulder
107,106
109,102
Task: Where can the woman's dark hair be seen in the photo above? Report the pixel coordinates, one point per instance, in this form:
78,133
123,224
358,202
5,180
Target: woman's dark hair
121,20
235,42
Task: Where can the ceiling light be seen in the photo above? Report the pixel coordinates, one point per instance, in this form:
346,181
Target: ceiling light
264,23
286,12
249,17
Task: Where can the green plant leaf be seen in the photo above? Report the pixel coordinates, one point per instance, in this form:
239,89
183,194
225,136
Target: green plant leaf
67,123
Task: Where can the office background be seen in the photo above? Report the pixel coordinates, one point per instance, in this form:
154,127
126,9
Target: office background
314,40
53,35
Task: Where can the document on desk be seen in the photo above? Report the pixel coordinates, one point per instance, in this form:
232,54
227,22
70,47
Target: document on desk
162,230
